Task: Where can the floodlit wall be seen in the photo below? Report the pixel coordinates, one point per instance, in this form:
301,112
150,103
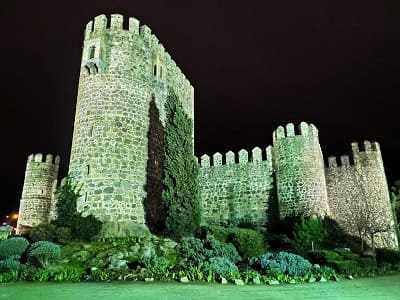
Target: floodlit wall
123,71
237,192
358,193
37,200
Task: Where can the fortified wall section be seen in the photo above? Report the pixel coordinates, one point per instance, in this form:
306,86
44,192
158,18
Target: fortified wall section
358,192
299,167
237,192
37,199
122,72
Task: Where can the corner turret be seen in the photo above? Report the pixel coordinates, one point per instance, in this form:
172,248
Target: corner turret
37,199
299,168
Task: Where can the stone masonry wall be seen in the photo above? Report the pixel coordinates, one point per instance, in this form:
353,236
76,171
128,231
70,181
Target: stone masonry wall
299,167
358,193
122,70
232,193
37,199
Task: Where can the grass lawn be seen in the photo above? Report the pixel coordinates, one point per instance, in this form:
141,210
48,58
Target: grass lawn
385,287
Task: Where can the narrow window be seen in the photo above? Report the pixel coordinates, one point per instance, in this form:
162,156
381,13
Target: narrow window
42,192
161,72
91,52
155,70
88,170
85,196
91,131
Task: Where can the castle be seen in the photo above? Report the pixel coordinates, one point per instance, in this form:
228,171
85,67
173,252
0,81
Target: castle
117,150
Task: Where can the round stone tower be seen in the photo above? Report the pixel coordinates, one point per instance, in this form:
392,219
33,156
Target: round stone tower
37,201
300,175
117,145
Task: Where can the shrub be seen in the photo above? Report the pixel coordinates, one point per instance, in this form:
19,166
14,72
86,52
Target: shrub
43,232
42,253
387,255
308,231
14,247
63,235
248,242
196,250
346,266
86,228
9,265
215,248
219,232
222,266
323,257
157,265
192,249
82,228
282,262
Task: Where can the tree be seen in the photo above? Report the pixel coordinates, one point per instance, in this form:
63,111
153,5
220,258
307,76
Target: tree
363,210
69,220
395,204
180,177
309,232
67,194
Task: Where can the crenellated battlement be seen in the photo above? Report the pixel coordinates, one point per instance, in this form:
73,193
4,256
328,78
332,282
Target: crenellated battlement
242,158
367,147
115,22
303,129
368,153
48,159
116,41
344,161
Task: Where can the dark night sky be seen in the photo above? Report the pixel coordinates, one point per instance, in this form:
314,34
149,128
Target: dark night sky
254,65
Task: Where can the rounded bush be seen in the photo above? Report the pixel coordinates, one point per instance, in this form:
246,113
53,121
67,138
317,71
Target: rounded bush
42,253
222,266
9,265
248,242
196,250
14,247
283,262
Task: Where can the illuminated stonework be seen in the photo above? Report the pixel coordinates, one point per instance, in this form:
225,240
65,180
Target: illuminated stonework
117,150
37,201
122,72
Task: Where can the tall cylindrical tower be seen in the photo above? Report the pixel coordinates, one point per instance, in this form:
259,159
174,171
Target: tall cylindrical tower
117,141
37,199
299,167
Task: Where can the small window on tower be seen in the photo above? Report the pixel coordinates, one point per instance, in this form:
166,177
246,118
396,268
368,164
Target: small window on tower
88,170
92,52
155,70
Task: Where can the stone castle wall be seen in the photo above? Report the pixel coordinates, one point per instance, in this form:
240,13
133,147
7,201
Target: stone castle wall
236,192
122,72
358,193
299,168
118,147
37,201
